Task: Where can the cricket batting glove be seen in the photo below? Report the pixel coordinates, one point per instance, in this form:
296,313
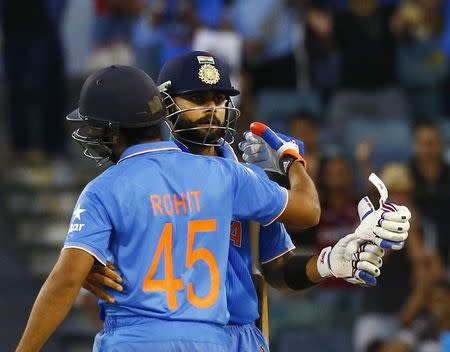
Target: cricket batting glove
362,267
269,150
387,226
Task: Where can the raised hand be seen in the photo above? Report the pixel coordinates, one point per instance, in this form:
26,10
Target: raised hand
386,226
269,150
353,260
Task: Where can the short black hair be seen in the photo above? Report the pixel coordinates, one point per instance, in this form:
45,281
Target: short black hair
307,115
375,345
425,124
140,135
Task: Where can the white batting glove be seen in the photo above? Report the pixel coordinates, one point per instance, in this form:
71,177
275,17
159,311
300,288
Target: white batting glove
269,150
351,259
387,226
256,151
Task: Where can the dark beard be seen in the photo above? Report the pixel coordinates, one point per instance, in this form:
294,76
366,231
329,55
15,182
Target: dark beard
201,135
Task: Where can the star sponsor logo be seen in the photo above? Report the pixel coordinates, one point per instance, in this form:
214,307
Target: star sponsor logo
76,227
77,216
77,213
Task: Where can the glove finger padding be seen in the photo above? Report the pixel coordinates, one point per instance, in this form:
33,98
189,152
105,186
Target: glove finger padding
393,226
390,235
364,278
256,151
369,267
396,246
401,215
362,246
252,148
372,248
369,257
281,153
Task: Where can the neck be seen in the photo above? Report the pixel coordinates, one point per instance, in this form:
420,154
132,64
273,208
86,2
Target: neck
430,169
198,149
122,145
202,150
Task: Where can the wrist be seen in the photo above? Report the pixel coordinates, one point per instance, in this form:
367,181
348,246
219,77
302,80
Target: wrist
323,263
297,273
287,158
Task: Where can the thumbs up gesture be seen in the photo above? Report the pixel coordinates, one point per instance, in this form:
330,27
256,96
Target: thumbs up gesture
387,226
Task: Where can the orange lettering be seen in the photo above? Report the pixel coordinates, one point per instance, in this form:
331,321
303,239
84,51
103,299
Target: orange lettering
208,258
236,233
168,204
189,201
197,200
156,204
179,203
169,284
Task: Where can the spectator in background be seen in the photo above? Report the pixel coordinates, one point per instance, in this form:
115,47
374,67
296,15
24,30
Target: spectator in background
270,40
177,20
422,65
432,194
340,302
35,78
166,28
305,126
112,29
361,34
412,270
431,331
440,311
114,20
323,60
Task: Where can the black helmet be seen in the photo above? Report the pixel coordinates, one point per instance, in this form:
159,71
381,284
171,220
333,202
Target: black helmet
111,98
198,71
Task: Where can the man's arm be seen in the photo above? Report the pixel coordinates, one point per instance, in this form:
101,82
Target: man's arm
303,206
291,271
56,298
349,259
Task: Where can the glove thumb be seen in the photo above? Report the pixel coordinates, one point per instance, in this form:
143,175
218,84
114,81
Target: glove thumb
365,207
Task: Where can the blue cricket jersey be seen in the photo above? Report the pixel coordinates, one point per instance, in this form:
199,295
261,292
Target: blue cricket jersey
274,241
164,216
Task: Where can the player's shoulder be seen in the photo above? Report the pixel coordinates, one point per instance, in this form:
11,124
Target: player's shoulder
230,164
104,182
256,169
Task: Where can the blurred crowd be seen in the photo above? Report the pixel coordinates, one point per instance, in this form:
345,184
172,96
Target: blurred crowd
364,83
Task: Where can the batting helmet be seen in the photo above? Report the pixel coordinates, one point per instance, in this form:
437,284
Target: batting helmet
112,98
198,71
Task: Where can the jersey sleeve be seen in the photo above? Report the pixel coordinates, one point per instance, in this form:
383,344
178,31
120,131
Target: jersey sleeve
90,227
274,241
257,198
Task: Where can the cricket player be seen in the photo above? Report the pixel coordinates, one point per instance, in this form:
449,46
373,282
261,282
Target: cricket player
163,217
202,120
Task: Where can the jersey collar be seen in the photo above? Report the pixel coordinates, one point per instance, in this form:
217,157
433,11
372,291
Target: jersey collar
227,152
224,151
145,148
179,144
